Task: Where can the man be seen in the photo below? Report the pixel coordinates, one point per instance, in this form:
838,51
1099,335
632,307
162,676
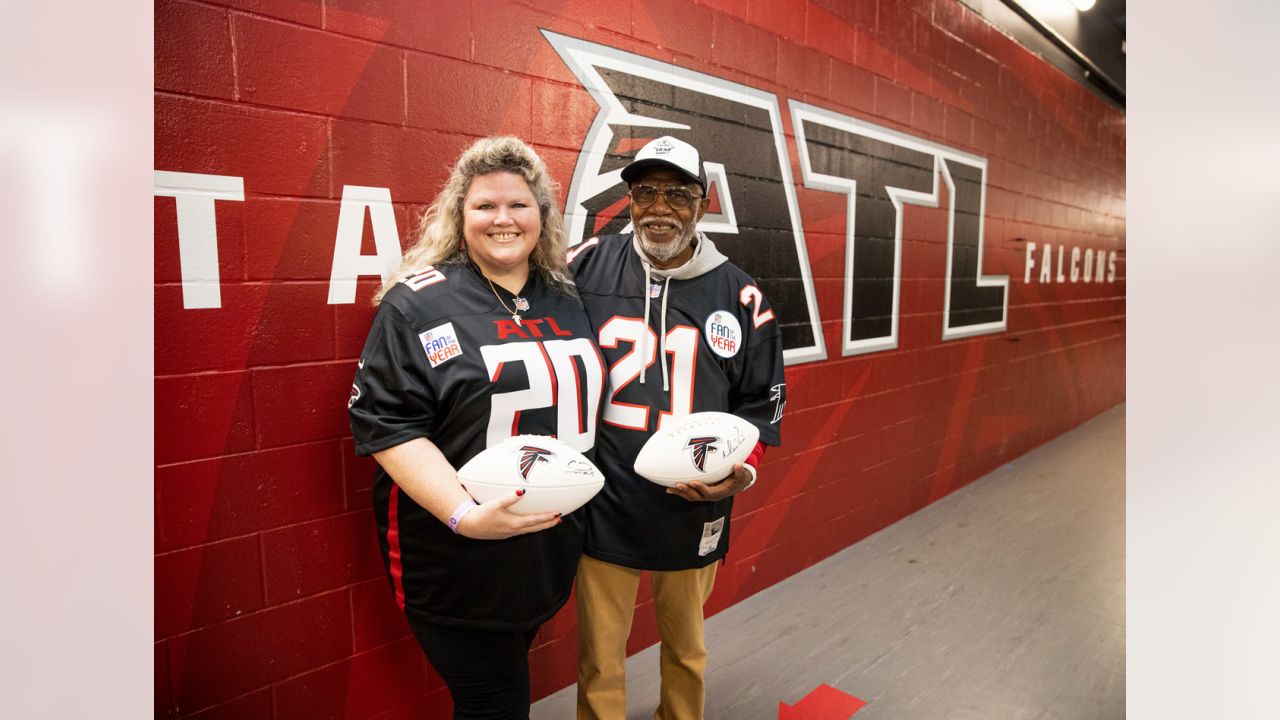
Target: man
665,291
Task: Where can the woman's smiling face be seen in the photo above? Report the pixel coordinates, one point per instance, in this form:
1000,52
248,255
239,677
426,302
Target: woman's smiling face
501,224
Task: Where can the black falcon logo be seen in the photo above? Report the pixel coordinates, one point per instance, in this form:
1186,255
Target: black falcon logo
529,455
700,447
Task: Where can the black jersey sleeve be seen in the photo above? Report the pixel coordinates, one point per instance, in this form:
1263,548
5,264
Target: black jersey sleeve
391,401
580,255
760,390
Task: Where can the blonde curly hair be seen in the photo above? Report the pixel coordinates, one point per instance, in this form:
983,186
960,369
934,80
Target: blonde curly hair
439,233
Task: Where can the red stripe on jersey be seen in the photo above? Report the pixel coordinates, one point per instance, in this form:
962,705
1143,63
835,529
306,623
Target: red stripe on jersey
555,386
394,566
574,252
577,394
757,454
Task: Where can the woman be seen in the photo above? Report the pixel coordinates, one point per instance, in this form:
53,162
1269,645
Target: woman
478,336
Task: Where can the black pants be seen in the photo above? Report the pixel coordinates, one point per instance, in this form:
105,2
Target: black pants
487,673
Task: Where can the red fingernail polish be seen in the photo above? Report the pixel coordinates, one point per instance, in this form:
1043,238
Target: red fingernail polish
519,493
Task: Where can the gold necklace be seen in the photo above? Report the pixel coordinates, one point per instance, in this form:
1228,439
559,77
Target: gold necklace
521,303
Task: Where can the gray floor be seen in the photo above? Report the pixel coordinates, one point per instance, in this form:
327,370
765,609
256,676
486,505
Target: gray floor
1003,601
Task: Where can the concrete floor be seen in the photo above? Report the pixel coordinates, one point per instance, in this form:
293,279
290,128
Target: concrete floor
1003,601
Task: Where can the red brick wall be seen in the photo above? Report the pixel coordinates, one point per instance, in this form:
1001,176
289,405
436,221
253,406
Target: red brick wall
270,597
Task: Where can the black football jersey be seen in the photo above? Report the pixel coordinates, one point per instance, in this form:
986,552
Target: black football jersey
724,353
444,361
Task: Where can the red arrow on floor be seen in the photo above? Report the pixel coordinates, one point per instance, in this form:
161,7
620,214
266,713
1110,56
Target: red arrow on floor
824,703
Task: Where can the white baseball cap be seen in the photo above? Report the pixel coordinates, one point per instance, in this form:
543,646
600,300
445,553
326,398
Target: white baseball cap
667,151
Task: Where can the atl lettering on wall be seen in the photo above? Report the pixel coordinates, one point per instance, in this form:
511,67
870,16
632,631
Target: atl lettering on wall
739,132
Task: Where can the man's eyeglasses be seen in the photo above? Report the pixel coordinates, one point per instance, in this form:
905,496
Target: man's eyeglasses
676,196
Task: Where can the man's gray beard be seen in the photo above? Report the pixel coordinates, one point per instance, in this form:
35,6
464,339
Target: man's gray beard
664,252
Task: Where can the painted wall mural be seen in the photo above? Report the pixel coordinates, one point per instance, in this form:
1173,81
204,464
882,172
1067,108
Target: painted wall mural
935,214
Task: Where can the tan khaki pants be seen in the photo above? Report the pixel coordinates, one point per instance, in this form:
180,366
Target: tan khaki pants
606,601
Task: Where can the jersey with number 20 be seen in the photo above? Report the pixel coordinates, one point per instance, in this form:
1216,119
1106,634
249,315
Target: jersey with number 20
444,361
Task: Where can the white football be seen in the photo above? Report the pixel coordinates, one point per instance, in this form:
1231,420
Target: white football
554,476
703,446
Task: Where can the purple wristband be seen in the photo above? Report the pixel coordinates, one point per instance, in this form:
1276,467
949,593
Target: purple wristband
460,512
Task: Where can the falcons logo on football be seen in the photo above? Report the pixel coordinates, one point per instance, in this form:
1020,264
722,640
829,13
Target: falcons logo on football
700,446
530,455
